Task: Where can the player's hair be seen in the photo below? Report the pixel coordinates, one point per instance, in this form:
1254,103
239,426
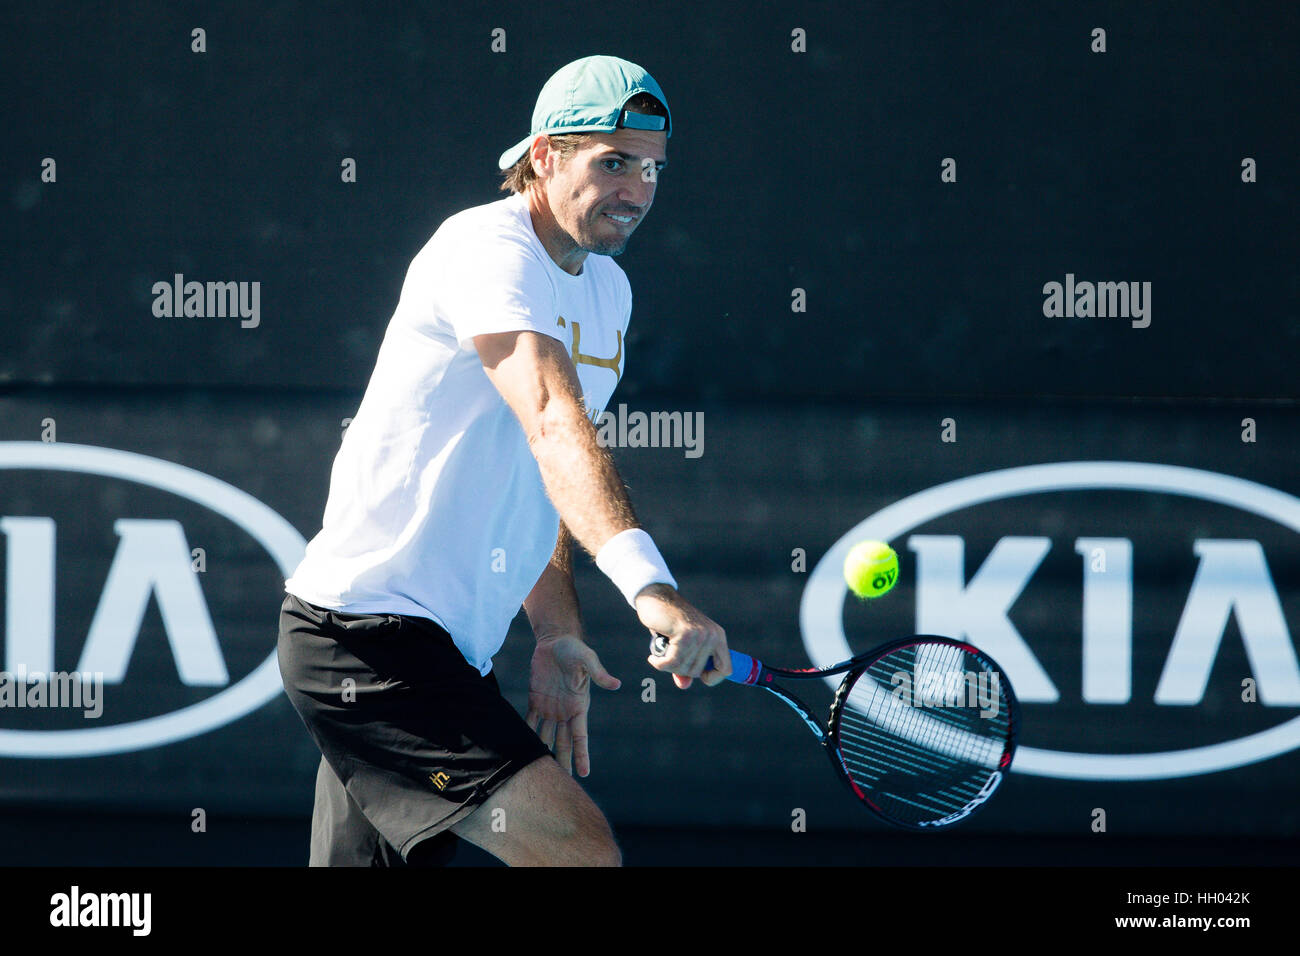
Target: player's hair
520,176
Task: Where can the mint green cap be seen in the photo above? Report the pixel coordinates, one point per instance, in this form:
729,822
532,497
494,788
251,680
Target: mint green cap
587,96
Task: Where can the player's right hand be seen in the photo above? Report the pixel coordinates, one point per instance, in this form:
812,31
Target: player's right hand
693,638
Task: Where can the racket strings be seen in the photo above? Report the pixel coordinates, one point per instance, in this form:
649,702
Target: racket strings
923,730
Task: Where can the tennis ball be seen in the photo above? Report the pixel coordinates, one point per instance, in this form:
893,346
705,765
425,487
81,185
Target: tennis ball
871,569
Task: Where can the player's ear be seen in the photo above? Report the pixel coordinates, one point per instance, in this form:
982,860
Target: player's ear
542,155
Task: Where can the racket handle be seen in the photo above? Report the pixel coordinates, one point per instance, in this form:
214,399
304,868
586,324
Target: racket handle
744,669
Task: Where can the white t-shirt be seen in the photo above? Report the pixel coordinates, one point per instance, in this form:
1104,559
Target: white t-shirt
436,506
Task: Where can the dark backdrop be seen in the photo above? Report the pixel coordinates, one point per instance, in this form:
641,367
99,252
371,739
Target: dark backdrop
817,171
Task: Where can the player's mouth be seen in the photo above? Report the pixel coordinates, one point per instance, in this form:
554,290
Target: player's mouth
621,220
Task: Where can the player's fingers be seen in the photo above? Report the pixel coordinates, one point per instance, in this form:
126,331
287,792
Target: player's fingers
721,658
581,758
546,730
689,662
704,653
600,676
682,659
682,682
532,719
670,661
564,747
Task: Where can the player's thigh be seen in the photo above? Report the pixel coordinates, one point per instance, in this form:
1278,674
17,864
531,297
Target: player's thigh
541,816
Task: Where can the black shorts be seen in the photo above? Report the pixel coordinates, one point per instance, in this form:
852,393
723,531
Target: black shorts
413,738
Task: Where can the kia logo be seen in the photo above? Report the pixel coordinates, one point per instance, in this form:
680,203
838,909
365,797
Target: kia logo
151,559
1231,579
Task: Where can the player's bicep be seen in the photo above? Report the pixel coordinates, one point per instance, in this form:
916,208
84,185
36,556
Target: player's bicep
533,372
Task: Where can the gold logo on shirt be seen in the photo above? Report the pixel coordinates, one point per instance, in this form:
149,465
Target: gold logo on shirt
579,359
439,780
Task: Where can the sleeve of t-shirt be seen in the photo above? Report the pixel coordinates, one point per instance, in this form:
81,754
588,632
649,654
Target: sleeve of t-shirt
627,321
495,284
627,312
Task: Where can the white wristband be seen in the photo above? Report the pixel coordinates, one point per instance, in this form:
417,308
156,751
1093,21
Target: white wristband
631,560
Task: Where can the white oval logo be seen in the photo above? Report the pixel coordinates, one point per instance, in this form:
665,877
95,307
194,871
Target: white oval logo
280,539
822,607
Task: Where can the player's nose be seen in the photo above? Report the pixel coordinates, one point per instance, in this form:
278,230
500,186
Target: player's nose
638,194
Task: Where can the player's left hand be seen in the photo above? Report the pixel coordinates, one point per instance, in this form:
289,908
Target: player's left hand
559,694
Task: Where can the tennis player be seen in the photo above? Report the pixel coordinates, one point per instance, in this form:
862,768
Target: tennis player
470,467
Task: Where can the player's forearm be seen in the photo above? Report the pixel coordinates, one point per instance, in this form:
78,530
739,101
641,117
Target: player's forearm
536,377
552,605
579,475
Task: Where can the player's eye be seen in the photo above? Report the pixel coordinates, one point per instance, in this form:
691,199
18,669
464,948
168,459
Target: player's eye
609,164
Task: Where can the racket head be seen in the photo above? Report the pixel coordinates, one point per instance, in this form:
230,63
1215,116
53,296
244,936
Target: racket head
923,731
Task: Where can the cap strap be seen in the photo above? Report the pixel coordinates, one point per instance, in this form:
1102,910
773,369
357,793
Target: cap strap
632,120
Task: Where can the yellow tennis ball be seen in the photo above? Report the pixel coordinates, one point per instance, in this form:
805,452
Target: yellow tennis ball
871,569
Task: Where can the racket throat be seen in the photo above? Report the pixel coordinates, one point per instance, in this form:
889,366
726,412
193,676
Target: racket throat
798,706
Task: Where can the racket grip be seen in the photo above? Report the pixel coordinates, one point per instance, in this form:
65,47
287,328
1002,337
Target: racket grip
744,669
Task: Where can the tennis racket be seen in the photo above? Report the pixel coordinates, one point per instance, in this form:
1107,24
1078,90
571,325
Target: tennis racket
922,730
